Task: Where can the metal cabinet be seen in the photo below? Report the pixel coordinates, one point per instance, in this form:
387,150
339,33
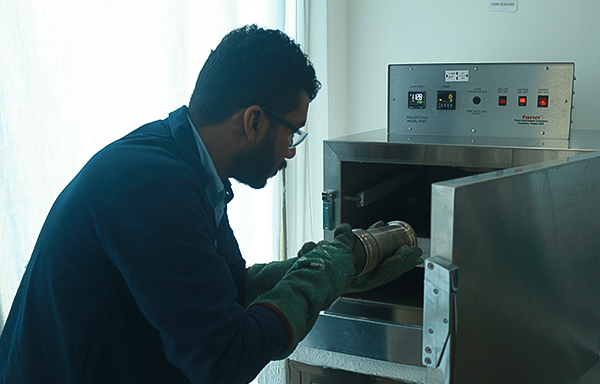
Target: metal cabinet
509,291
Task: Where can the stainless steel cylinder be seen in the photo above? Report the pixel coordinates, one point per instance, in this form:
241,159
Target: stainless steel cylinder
373,246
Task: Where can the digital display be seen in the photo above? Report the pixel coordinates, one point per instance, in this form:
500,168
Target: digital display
416,100
446,100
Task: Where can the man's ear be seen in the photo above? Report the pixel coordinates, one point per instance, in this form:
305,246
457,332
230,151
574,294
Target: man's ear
254,123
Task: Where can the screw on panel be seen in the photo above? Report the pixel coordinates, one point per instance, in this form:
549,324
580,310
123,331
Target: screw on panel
547,68
475,68
473,130
410,128
411,68
427,360
393,99
435,291
430,330
445,320
542,133
410,138
430,266
427,350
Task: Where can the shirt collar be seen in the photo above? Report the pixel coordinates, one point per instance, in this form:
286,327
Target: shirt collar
218,191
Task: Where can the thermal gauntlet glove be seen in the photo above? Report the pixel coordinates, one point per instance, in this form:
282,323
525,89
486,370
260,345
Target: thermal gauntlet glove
405,259
313,283
307,247
261,278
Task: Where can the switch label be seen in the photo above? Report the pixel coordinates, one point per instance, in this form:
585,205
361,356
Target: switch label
454,76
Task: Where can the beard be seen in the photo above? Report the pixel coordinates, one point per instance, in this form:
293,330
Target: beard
256,166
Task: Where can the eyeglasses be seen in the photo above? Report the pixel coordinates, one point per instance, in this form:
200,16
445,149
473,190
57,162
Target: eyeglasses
297,136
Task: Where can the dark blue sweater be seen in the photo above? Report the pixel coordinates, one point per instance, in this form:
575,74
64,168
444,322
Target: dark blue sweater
131,281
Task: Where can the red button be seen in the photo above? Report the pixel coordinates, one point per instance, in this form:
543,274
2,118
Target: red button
543,101
522,101
501,100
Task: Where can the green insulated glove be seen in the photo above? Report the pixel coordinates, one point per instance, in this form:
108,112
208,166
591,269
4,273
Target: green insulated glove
307,247
312,284
405,259
402,261
264,277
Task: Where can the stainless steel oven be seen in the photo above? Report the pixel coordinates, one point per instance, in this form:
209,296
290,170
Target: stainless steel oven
510,228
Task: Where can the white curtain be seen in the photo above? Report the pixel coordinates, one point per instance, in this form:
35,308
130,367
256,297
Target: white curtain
304,175
78,74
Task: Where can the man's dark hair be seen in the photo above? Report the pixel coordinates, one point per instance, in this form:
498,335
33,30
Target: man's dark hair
252,65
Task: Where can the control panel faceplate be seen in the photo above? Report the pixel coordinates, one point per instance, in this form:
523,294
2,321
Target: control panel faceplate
500,100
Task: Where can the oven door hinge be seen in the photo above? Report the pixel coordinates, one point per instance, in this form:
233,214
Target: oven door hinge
439,317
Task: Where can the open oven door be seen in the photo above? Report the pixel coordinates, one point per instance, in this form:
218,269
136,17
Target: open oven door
519,251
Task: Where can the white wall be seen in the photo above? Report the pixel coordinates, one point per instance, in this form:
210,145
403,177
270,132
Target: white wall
381,32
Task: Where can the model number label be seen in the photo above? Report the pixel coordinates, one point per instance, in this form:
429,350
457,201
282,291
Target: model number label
453,76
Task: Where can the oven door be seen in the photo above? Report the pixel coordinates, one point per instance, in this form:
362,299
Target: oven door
525,241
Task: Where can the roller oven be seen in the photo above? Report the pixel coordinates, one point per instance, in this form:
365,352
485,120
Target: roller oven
509,291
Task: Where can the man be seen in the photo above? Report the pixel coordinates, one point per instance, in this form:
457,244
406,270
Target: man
136,276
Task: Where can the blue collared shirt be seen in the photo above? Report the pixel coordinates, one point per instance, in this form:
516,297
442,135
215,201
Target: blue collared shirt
216,190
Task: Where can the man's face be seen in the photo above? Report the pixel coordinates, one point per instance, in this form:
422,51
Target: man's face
255,166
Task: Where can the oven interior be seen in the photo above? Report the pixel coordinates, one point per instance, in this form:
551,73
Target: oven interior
395,192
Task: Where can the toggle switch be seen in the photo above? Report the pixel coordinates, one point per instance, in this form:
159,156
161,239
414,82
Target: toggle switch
542,101
502,100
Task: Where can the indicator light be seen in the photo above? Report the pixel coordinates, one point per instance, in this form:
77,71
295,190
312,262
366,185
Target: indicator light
542,101
502,100
522,101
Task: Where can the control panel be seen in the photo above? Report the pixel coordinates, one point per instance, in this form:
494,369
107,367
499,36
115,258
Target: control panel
494,100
